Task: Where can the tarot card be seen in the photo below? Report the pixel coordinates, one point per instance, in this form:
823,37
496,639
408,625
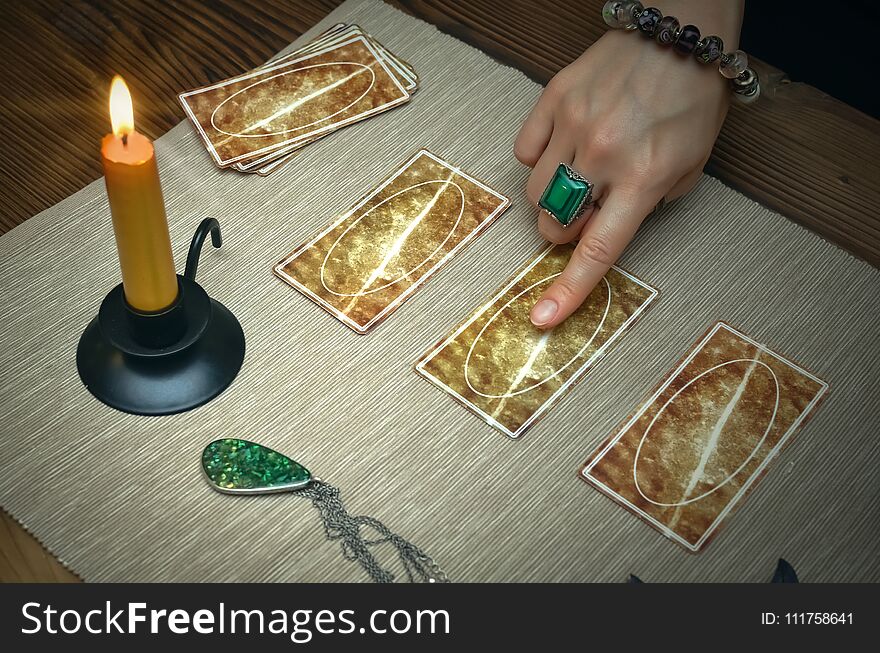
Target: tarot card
342,31
267,109
272,166
320,41
404,71
690,454
508,371
365,264
269,162
265,164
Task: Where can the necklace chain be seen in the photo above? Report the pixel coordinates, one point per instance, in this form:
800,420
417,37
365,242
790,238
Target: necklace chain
342,526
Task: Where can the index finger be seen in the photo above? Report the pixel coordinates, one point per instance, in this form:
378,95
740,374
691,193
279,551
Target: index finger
601,243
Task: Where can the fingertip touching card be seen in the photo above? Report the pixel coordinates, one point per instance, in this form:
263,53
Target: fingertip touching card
367,262
509,372
699,444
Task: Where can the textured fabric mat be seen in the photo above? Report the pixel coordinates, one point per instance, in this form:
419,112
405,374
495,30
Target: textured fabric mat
120,498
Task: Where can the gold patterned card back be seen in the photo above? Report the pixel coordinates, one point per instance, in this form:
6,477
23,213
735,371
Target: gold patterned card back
686,458
270,108
365,264
267,163
509,372
396,66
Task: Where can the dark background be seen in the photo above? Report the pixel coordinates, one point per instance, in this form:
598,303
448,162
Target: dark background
830,45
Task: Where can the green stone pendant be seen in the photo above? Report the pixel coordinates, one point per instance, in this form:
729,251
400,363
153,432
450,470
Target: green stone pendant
567,195
242,467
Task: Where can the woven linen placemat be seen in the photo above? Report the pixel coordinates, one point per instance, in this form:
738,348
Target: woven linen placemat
120,498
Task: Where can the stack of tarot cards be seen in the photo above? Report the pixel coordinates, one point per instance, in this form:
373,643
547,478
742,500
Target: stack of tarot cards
257,121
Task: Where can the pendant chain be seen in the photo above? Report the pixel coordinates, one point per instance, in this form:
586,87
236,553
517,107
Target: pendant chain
340,525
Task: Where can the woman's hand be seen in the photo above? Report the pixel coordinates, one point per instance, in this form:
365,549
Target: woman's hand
636,119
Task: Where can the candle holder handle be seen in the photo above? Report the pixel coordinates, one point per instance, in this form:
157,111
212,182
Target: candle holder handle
166,362
195,247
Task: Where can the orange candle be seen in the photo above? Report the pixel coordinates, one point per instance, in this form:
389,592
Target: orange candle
138,211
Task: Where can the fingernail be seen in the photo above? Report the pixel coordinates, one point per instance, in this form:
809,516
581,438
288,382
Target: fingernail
543,312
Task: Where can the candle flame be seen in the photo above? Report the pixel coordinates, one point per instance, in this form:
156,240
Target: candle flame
121,111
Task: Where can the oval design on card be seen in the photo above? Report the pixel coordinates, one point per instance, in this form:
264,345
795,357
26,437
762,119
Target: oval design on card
505,372
393,239
292,113
703,466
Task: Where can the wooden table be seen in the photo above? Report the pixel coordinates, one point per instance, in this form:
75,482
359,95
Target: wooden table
798,151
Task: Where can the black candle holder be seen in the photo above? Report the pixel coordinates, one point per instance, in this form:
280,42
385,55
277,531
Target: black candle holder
166,362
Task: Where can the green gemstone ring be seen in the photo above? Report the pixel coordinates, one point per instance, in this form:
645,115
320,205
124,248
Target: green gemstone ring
567,195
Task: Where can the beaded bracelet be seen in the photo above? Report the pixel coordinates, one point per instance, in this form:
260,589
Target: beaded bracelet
630,15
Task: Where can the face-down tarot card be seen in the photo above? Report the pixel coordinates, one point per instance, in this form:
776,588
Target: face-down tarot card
366,263
509,372
699,444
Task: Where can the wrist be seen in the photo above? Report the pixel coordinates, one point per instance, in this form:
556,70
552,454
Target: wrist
707,31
